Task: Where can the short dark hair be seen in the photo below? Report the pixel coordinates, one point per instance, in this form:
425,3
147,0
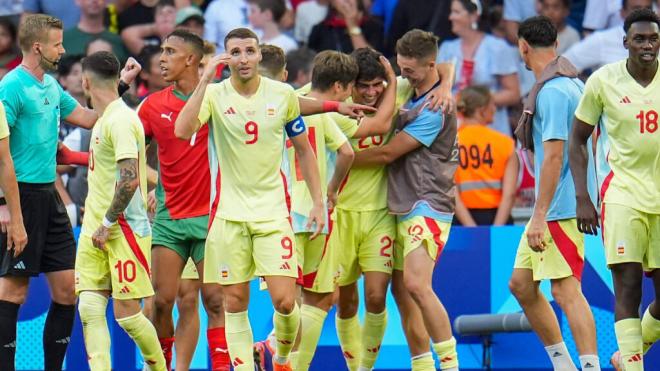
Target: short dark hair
10,27
35,28
145,56
196,42
566,3
298,60
640,15
331,66
538,31
102,64
273,60
276,7
368,62
471,6
241,33
417,44
66,64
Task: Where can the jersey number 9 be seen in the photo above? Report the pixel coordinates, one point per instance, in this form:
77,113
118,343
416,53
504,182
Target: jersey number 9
251,128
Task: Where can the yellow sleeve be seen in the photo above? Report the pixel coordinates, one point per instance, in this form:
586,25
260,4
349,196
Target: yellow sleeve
334,138
347,125
4,127
123,135
591,105
293,106
206,108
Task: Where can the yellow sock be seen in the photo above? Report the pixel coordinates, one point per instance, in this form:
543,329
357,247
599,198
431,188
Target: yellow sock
286,328
239,340
650,330
293,358
312,325
423,362
144,335
446,351
629,338
372,337
348,332
91,307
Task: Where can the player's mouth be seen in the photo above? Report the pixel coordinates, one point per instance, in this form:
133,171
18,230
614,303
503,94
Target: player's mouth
244,70
648,57
163,70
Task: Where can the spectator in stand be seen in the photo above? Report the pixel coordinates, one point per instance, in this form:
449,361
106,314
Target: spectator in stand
151,77
191,19
299,67
347,26
11,10
138,36
428,15
66,10
602,14
10,56
525,184
603,47
264,16
384,9
140,13
69,75
486,177
223,16
516,11
91,26
97,45
482,59
558,11
309,14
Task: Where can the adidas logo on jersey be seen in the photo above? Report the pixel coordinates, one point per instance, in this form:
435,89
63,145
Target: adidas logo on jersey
230,111
635,358
46,102
285,266
625,100
237,362
125,290
20,265
388,264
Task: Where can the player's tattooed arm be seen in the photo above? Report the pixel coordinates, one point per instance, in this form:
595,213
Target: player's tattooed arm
126,186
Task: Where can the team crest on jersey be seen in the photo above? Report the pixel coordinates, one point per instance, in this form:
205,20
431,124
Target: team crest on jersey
270,110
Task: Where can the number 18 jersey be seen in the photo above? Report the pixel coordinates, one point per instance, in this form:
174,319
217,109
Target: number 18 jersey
629,113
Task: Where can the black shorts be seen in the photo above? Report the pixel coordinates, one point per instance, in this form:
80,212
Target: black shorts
483,217
51,246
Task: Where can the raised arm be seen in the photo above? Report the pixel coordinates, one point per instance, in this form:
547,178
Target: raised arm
381,122
587,216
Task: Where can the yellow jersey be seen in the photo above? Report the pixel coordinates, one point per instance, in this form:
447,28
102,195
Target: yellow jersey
246,146
629,114
117,135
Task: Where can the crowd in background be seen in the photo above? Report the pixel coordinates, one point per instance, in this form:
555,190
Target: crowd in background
478,37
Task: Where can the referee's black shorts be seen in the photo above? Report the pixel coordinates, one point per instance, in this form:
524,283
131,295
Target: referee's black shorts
51,246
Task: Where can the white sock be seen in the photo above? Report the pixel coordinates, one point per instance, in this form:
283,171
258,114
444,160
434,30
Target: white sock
560,358
272,340
590,362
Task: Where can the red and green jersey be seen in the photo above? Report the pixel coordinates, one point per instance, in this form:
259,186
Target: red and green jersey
184,181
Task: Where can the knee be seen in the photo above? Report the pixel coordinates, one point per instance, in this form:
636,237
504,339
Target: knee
521,289
416,287
163,303
63,295
91,306
187,303
213,303
234,303
285,304
564,294
347,306
375,301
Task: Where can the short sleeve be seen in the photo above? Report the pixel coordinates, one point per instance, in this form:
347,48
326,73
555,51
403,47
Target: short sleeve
11,101
553,108
334,138
512,11
590,107
4,128
123,137
67,103
143,113
426,127
346,125
206,109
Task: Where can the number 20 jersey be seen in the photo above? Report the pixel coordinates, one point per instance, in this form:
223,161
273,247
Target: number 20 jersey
629,159
246,146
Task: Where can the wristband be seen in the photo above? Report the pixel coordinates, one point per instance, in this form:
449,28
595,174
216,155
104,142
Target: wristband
122,88
2,201
107,223
330,106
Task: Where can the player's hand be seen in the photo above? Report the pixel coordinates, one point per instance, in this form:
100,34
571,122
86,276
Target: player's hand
441,99
130,71
587,216
389,71
209,71
100,237
536,234
354,110
332,198
4,218
317,220
151,201
16,236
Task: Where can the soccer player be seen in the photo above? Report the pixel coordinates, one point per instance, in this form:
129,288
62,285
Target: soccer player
333,76
273,62
114,246
422,199
250,234
621,98
34,104
183,199
552,247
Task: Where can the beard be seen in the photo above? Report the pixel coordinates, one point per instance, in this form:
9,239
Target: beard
48,66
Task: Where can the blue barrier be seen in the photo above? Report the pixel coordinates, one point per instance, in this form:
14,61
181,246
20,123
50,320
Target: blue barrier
471,277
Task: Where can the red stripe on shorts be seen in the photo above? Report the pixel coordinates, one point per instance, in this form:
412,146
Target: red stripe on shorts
437,232
567,248
309,278
287,196
132,243
216,201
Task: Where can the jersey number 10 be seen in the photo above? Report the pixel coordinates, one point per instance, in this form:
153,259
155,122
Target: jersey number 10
648,121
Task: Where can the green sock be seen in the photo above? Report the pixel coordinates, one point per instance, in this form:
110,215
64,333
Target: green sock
348,332
629,338
372,337
143,333
239,340
650,330
446,351
312,325
286,329
423,362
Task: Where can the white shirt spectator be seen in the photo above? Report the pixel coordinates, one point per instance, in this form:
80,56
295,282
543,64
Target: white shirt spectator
284,41
11,7
598,49
519,10
223,16
567,38
308,14
602,14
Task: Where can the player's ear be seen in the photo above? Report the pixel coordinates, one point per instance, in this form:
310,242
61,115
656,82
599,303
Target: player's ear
285,75
625,41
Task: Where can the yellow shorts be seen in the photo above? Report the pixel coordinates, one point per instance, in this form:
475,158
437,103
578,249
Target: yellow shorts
417,231
190,271
631,236
236,252
124,269
365,241
563,256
